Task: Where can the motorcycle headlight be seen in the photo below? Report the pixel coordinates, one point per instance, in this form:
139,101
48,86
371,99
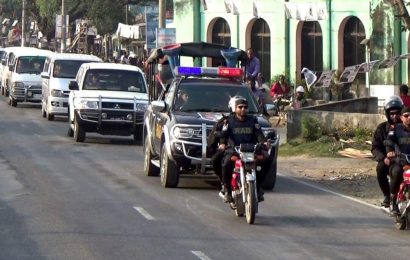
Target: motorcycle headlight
180,132
56,93
248,157
85,104
141,107
269,133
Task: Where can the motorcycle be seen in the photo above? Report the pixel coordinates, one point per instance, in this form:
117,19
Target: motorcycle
403,196
243,181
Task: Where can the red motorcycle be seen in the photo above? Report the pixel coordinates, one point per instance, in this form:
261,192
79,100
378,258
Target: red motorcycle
243,182
403,196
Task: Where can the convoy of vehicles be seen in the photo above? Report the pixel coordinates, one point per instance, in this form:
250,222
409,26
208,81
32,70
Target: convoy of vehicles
59,70
107,98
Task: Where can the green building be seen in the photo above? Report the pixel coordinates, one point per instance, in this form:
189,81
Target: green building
289,35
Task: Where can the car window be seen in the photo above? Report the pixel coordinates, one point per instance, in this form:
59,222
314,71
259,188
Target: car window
67,68
30,64
114,80
211,98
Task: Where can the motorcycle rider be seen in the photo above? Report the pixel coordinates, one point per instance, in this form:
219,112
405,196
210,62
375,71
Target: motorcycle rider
400,135
392,111
240,128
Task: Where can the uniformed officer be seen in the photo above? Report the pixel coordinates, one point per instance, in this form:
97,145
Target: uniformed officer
240,128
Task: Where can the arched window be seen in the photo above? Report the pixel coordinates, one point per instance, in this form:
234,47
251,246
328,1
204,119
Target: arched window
260,43
312,46
221,34
353,53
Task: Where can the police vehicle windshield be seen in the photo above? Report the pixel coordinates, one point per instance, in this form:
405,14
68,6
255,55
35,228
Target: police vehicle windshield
197,97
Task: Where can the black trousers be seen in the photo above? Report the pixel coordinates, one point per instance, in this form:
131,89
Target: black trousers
396,171
228,166
382,171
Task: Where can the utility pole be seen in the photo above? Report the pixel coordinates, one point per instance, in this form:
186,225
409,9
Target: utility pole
63,27
23,24
161,14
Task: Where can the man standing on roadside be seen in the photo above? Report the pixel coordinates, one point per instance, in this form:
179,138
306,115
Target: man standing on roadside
404,95
253,66
392,110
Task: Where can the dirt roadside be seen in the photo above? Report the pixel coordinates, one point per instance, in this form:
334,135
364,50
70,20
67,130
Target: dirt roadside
351,177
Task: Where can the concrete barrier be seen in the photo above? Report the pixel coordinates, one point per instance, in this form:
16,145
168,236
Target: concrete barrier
359,112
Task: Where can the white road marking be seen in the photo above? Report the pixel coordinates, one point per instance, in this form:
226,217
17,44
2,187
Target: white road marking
328,191
201,255
144,213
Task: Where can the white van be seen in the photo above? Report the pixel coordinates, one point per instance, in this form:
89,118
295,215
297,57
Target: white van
5,73
59,70
25,66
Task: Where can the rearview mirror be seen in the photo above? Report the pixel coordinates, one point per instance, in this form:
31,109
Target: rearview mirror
158,105
45,75
73,85
270,109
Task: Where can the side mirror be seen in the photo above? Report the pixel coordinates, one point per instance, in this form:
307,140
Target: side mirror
73,85
3,62
45,75
11,67
270,109
158,106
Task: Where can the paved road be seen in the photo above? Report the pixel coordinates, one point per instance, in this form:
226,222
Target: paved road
64,200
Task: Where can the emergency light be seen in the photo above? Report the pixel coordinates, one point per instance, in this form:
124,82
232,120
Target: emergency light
209,71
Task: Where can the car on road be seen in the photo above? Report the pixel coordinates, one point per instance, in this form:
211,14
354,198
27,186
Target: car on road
107,98
176,127
59,70
25,65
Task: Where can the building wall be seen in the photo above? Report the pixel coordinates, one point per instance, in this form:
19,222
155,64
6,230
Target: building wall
377,18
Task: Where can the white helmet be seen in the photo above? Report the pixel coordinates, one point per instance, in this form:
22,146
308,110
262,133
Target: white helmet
300,89
236,100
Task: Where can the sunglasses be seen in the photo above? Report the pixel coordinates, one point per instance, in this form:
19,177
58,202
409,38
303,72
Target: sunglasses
406,115
242,107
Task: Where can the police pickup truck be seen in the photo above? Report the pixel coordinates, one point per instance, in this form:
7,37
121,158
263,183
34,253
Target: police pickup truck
107,98
178,122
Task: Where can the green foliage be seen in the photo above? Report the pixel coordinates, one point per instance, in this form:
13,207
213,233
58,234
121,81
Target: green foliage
319,148
363,134
311,129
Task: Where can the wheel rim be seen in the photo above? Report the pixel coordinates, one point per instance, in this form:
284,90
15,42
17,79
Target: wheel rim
147,159
164,166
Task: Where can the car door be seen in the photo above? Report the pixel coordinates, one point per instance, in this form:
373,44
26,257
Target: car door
160,119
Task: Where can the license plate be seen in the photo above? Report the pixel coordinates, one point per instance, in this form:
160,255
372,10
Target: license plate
36,95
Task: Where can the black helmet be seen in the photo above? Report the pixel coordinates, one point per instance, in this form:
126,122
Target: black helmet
394,102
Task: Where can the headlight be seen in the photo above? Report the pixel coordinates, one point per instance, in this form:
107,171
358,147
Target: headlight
56,93
180,132
269,133
248,157
18,84
85,104
141,107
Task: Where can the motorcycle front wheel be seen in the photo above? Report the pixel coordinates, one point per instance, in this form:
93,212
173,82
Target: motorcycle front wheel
250,204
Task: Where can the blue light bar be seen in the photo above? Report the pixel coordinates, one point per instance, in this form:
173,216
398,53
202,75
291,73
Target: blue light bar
186,71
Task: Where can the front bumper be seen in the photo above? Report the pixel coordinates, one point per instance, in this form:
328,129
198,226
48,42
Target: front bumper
195,150
112,117
57,105
27,93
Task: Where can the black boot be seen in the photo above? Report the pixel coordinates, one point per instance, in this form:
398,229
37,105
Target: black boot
386,202
394,207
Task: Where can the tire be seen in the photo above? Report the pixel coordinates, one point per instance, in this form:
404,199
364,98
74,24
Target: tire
250,204
79,133
70,131
149,168
240,206
169,171
270,178
50,117
13,102
138,135
43,112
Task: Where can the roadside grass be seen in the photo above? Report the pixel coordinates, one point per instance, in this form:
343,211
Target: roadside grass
323,147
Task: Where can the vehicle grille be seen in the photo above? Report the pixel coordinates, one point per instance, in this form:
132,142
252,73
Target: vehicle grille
21,91
198,133
117,105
